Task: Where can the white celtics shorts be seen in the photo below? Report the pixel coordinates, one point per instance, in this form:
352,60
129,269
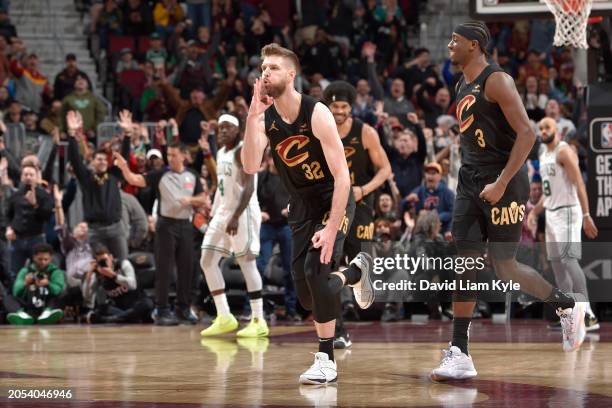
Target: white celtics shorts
563,232
246,240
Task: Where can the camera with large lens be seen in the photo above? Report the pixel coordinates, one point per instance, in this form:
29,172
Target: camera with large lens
40,275
102,263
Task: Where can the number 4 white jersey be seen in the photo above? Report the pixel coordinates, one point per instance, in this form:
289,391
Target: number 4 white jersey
558,189
229,189
227,198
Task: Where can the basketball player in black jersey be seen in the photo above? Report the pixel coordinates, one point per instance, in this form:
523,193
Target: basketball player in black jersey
493,187
308,154
369,167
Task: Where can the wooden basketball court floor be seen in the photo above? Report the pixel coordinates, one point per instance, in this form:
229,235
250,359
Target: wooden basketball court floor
519,365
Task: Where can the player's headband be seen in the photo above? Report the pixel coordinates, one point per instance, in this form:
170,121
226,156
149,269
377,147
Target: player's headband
474,32
229,119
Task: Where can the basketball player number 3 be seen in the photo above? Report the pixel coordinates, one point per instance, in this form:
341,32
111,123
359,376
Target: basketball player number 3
313,171
480,138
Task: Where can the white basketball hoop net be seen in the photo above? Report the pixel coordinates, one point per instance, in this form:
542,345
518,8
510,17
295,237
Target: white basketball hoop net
571,17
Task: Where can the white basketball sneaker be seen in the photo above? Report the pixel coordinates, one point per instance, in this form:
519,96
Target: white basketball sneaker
572,325
323,371
455,365
363,290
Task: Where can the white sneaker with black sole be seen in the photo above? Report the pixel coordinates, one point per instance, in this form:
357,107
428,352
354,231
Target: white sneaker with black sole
363,289
455,365
323,371
572,326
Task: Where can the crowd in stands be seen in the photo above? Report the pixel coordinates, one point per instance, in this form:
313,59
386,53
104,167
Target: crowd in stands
77,241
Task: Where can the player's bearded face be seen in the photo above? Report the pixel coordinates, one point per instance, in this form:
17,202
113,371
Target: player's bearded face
274,89
547,132
277,74
341,111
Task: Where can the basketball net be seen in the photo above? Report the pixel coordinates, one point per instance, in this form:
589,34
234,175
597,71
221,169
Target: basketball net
571,17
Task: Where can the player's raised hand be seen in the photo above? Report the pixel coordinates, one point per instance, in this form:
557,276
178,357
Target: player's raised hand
589,227
260,101
325,239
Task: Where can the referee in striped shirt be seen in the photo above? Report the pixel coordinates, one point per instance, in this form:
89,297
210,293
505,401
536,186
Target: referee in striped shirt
178,190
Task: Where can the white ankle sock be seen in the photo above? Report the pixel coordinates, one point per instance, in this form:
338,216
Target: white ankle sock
257,308
221,304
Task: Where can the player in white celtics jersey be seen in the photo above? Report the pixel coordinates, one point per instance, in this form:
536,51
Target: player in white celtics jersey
567,212
233,229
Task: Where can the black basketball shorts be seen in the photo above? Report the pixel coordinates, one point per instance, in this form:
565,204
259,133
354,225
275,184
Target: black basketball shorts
303,231
476,222
361,234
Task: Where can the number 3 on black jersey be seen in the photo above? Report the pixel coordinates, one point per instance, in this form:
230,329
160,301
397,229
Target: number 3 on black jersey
480,138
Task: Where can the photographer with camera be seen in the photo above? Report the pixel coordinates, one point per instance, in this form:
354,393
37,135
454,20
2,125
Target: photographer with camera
37,289
125,303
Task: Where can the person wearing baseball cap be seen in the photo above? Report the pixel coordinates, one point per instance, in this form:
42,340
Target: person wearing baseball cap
155,159
433,194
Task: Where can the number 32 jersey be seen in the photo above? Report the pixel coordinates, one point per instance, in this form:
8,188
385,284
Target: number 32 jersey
298,154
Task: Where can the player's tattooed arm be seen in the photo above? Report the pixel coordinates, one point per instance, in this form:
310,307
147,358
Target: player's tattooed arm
501,89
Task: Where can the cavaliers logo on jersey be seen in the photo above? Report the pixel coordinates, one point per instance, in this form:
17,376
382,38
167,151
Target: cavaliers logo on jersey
462,107
289,150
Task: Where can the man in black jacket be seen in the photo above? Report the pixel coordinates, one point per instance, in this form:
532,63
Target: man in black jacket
100,187
29,208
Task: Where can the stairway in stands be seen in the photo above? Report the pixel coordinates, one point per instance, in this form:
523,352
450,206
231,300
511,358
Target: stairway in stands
52,29
437,23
